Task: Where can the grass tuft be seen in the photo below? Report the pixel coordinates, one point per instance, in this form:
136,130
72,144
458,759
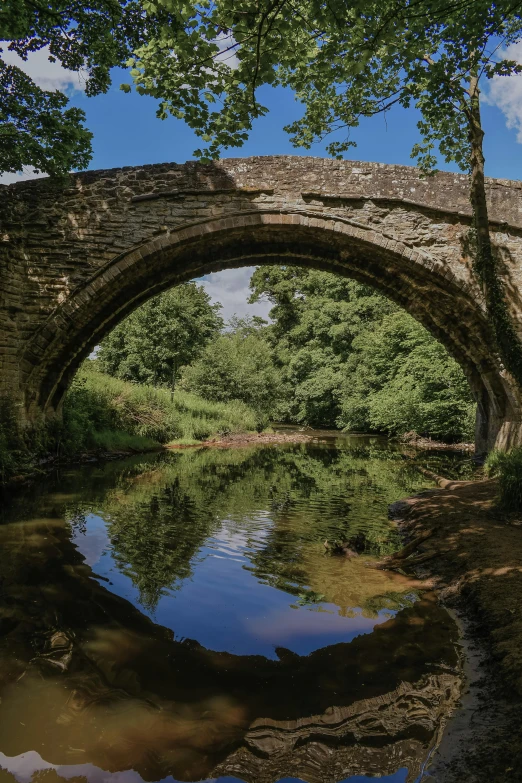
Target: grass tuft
506,467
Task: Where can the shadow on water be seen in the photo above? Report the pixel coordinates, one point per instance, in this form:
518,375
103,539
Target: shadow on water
177,618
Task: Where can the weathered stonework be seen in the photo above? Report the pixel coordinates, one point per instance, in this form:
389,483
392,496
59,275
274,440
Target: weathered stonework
75,260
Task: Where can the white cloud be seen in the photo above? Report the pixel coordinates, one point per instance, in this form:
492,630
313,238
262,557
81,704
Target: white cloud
230,288
8,178
49,76
227,50
506,91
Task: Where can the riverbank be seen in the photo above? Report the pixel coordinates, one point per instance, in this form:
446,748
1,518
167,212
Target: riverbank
475,566
105,417
246,439
421,442
234,440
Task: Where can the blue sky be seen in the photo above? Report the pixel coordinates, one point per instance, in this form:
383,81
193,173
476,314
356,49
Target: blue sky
127,133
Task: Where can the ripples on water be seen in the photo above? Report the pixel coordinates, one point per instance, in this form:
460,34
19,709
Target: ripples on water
177,617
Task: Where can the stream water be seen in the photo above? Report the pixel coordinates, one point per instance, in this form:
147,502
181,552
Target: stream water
177,617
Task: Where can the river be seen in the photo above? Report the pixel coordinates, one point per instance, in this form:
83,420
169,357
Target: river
177,617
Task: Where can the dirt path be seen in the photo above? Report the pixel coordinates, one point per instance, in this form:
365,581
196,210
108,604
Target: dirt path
477,569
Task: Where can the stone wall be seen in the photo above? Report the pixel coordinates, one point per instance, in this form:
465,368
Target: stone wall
74,260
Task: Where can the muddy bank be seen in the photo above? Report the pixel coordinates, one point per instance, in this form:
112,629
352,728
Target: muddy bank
420,442
476,568
247,439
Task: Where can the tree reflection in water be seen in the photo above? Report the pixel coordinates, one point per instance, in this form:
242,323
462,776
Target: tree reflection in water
89,682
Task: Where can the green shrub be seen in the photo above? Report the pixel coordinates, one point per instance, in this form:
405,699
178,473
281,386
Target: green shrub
506,466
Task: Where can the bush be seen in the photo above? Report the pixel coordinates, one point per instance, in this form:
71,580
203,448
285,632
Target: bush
102,412
506,466
399,378
236,366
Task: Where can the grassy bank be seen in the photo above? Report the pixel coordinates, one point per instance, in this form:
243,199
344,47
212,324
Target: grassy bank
102,413
506,467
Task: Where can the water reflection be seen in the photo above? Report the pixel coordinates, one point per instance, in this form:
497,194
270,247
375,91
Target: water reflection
178,618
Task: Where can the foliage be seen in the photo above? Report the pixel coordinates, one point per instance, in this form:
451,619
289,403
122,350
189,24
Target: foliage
316,316
506,467
97,403
36,128
349,357
108,414
399,378
169,331
237,365
343,60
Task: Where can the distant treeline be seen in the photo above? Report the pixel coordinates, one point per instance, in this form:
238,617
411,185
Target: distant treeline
337,354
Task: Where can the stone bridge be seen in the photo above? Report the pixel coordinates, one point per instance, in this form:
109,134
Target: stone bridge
76,259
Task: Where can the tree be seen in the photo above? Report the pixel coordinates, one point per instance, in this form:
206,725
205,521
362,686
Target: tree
398,378
316,316
346,61
36,128
348,357
160,337
237,365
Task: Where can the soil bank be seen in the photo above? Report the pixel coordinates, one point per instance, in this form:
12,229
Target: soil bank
477,571
246,439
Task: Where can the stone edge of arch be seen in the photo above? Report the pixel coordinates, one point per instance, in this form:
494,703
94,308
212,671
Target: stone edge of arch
60,320
194,230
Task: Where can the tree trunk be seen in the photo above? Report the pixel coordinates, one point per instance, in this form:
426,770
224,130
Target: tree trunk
509,345
173,381
485,262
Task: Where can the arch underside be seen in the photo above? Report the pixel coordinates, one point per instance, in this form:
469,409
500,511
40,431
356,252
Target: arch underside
443,306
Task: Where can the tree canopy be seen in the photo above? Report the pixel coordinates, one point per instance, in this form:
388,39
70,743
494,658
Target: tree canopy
343,60
237,365
160,337
36,127
350,358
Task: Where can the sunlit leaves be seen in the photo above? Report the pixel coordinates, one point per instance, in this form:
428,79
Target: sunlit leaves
36,127
344,61
159,338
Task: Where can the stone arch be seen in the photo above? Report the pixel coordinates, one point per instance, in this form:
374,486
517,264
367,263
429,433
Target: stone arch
450,308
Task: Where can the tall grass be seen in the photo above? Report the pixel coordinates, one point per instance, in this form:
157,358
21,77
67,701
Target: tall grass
97,403
101,412
506,467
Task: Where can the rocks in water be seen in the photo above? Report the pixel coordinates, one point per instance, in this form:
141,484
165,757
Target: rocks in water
355,546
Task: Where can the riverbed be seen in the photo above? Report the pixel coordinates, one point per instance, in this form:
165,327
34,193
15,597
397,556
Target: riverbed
178,617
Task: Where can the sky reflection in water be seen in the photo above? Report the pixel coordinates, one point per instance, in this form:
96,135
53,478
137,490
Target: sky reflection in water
176,617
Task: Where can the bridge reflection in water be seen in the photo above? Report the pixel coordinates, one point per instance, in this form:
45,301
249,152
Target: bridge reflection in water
94,690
